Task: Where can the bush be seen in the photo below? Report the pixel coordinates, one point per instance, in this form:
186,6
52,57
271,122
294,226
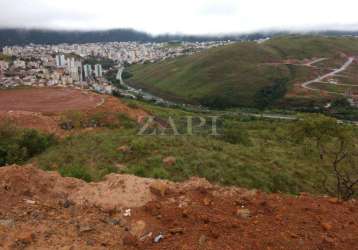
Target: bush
160,173
76,120
235,134
126,122
19,145
78,172
36,143
71,120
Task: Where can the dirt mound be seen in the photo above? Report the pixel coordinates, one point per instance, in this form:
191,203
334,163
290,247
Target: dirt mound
42,210
19,183
115,192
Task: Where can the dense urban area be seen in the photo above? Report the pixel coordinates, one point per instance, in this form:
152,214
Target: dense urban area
86,65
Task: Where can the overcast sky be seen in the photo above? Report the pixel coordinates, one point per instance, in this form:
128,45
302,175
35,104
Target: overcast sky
183,16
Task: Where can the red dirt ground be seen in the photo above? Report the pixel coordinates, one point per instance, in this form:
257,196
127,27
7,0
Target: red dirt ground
40,210
47,100
41,108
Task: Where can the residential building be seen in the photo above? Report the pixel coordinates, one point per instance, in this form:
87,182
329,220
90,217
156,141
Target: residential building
87,69
60,61
98,70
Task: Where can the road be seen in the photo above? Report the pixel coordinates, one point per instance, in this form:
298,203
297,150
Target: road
321,78
315,61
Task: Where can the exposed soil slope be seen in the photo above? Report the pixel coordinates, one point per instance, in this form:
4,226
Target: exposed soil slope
47,99
41,210
41,108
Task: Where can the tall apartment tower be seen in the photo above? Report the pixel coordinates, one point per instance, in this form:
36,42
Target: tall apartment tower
98,70
87,69
75,69
60,61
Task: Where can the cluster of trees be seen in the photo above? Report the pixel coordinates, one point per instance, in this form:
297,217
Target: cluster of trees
18,145
270,94
126,74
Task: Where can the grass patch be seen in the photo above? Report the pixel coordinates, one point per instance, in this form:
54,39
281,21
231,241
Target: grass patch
270,161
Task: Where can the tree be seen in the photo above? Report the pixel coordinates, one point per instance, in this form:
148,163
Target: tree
336,145
269,94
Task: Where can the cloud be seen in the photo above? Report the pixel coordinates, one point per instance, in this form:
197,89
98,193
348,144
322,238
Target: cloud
185,16
219,8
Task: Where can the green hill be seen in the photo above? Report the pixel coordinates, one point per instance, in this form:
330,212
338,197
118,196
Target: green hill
241,74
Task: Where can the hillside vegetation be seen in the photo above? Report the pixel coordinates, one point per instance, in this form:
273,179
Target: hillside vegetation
241,74
252,153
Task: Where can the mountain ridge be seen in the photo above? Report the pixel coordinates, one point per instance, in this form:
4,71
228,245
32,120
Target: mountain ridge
22,36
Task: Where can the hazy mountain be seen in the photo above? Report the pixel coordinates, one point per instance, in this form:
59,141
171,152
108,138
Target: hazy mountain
10,37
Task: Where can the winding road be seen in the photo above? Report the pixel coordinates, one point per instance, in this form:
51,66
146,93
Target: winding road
333,73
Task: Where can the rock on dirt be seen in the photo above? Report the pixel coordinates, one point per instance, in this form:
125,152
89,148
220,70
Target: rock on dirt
326,226
124,149
169,161
7,223
159,188
138,228
243,213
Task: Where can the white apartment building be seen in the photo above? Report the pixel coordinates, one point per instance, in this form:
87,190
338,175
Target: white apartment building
60,61
87,68
98,70
75,69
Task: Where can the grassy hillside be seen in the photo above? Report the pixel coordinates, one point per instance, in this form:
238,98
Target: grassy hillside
235,75
253,153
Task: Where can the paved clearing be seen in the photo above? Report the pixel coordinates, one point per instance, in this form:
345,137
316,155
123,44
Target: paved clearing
47,100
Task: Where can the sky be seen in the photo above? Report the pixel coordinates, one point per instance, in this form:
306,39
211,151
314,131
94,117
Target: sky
181,17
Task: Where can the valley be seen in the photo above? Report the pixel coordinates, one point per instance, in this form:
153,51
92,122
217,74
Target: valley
77,172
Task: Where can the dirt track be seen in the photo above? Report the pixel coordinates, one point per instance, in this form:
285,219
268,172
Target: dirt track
47,100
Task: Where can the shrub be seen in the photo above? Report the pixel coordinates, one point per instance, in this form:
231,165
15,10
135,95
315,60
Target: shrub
18,145
160,173
77,120
235,134
71,120
126,122
78,172
36,143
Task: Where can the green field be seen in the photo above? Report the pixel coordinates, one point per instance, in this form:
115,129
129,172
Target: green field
233,75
